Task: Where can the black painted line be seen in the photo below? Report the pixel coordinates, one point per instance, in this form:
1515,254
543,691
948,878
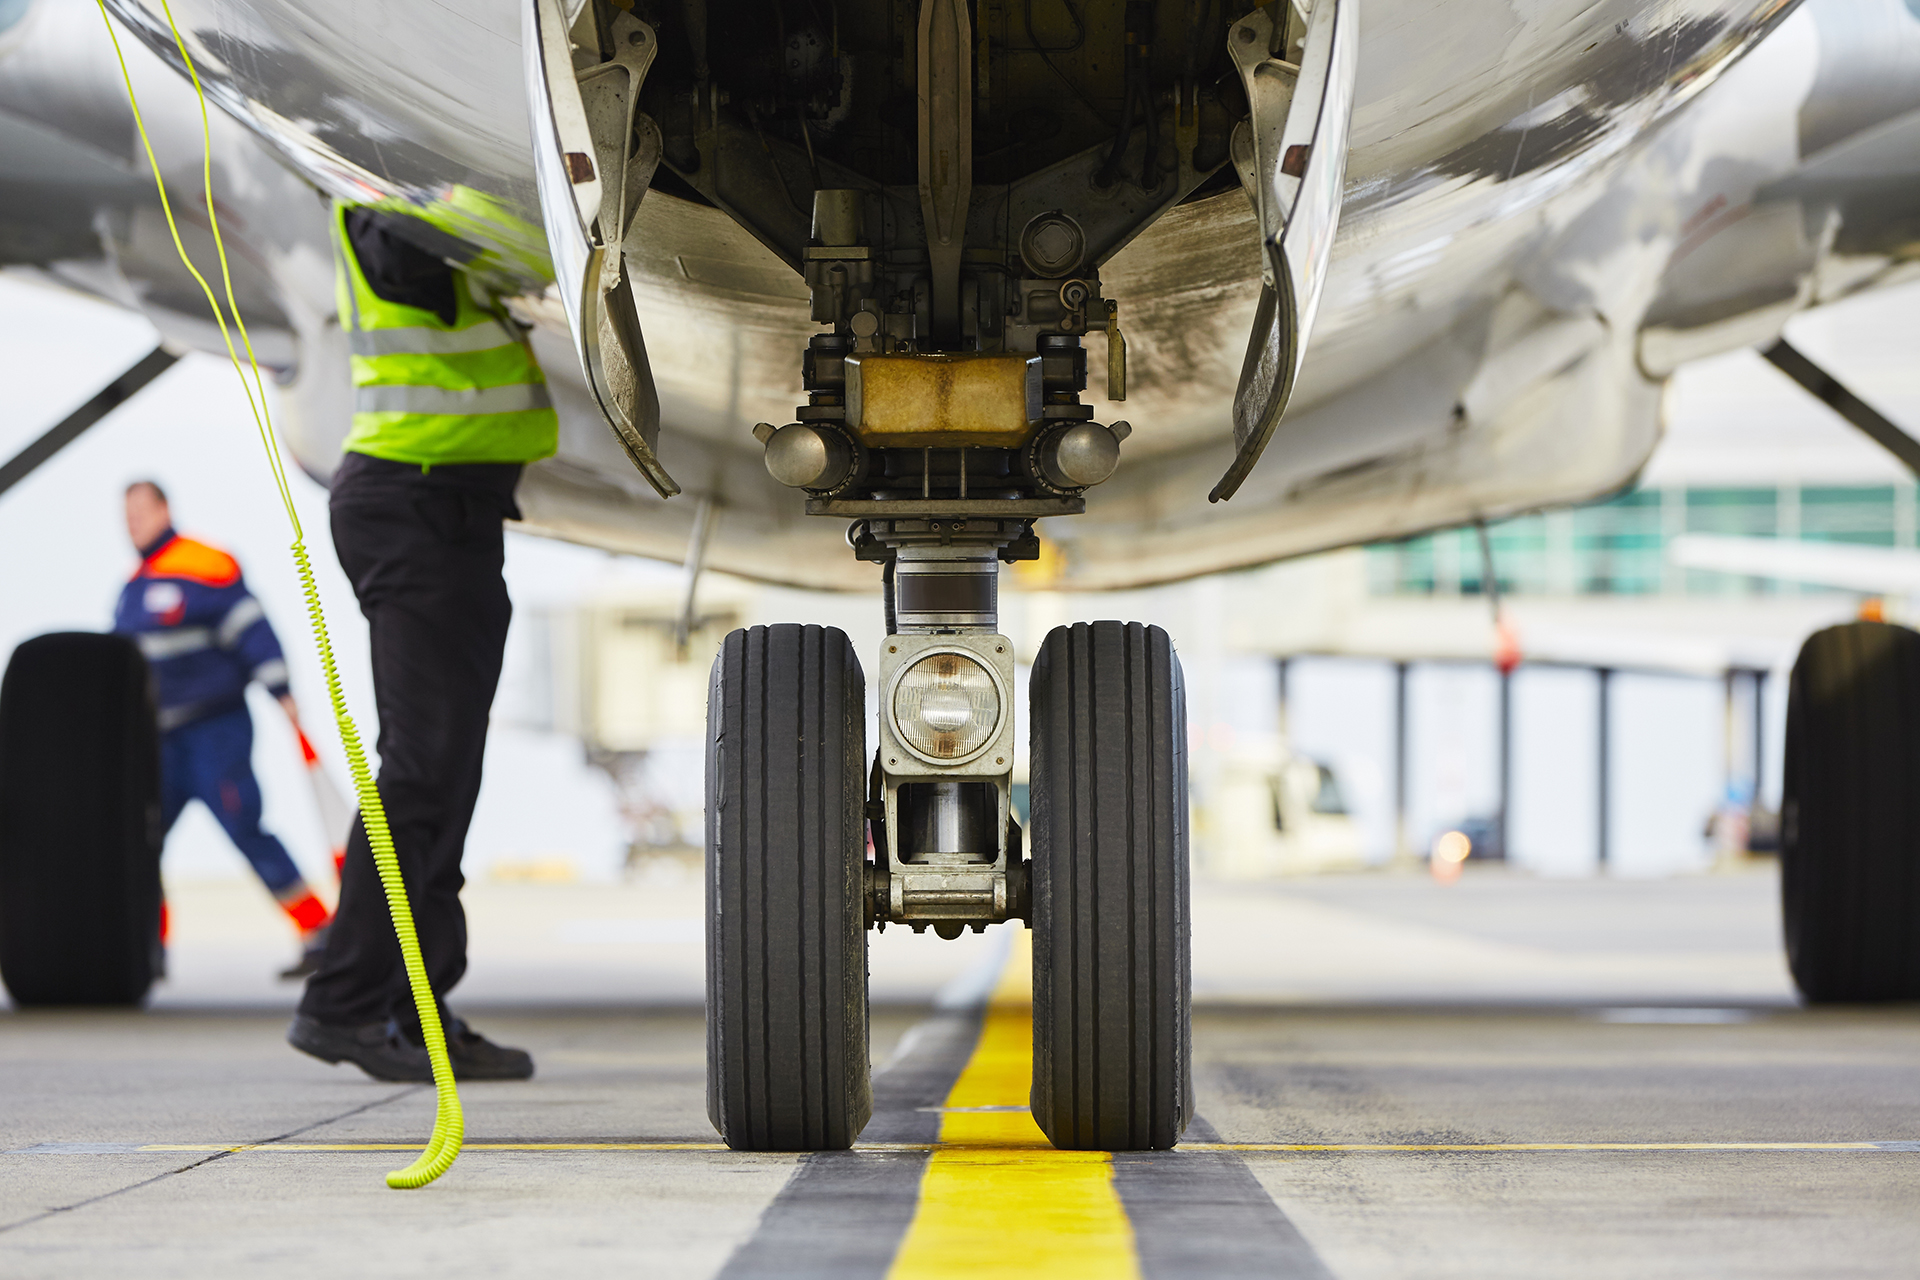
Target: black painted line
59,1209
1203,1213
844,1213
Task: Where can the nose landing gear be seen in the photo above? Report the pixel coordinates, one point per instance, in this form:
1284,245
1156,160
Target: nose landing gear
943,418
790,888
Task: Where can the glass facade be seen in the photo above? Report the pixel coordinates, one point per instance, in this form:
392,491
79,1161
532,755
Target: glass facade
1618,546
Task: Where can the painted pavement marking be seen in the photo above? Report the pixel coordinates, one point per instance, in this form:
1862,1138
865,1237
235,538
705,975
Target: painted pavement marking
879,1148
997,1198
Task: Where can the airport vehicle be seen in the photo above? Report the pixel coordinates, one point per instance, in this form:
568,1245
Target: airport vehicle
1351,269
1275,813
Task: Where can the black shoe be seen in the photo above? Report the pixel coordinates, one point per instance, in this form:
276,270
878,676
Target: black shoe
475,1057
310,955
377,1049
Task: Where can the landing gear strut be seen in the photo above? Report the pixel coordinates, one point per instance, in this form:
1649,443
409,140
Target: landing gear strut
943,419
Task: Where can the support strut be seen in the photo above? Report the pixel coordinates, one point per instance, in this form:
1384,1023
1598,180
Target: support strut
74,425
946,153
1827,389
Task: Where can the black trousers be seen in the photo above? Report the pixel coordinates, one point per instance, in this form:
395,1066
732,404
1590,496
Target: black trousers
424,551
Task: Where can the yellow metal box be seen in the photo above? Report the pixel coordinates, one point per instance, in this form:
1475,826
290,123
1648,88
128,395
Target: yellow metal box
944,401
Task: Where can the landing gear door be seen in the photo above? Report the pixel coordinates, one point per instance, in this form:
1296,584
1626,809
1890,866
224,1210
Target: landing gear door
594,154
1296,59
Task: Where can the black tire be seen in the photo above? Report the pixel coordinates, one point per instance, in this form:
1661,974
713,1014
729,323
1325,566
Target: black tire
787,1062
1112,985
1850,815
79,823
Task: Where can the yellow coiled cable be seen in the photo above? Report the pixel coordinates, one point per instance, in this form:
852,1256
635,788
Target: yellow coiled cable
449,1123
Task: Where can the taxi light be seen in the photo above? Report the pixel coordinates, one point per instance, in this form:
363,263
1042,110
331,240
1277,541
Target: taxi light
946,706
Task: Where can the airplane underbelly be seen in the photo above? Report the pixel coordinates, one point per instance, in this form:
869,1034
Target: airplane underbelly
1481,131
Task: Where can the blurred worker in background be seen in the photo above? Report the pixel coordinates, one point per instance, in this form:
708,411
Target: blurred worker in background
449,403
206,638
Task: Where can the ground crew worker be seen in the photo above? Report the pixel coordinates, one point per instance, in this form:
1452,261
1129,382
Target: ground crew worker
449,403
206,638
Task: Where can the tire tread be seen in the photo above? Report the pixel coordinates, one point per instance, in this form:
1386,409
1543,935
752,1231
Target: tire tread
786,939
1850,831
79,822
1112,986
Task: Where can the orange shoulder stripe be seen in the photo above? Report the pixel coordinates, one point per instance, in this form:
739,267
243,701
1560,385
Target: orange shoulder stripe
195,561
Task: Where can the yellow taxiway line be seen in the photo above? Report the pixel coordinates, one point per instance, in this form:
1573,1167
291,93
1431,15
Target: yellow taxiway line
997,1199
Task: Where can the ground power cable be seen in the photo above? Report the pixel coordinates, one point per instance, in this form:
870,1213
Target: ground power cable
449,1123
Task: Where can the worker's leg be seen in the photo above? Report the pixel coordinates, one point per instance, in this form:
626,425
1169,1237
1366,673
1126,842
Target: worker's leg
425,557
176,776
433,713
176,788
221,748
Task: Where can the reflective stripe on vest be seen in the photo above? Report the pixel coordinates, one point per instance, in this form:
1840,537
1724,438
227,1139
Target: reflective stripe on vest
419,340
238,619
442,401
158,646
430,392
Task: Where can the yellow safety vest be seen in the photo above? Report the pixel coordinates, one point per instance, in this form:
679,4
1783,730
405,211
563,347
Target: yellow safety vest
433,393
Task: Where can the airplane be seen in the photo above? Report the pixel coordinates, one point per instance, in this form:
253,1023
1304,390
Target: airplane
1150,289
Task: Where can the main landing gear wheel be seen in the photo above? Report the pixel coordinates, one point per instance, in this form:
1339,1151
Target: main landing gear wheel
79,823
1850,815
786,864
1112,987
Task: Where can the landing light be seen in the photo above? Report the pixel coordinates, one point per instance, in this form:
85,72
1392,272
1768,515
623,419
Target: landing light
946,706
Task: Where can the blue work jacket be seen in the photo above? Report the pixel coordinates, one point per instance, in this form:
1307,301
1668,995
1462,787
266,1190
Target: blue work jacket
201,630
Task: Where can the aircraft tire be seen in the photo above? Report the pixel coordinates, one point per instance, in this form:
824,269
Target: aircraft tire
79,823
787,1065
1112,983
1850,815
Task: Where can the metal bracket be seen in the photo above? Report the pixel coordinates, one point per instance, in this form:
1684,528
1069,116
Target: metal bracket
610,97
1292,155
946,152
591,183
